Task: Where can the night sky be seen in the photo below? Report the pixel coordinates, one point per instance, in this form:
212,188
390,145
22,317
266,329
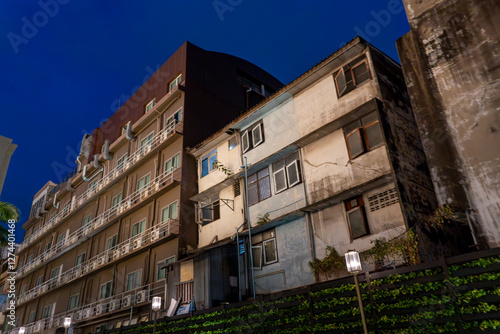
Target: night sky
66,65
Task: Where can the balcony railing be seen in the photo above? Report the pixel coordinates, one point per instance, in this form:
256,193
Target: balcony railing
122,301
148,237
99,221
160,137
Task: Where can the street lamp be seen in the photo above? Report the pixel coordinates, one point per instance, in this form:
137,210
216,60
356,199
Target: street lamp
22,330
67,324
354,267
155,305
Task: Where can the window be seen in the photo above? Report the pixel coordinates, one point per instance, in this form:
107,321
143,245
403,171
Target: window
207,162
23,289
121,162
264,249
209,210
61,237
169,212
73,302
134,280
161,270
363,135
174,119
232,143
143,182
80,259
66,206
101,328
259,187
138,228
39,280
286,173
54,273
172,163
86,220
351,76
92,186
147,140
252,137
47,246
112,242
116,200
356,217
105,291
32,316
175,82
150,105
47,310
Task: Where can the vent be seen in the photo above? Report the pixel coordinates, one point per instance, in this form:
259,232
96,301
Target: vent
383,199
237,188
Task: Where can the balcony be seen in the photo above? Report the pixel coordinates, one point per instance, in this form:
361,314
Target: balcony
99,223
120,251
104,307
102,184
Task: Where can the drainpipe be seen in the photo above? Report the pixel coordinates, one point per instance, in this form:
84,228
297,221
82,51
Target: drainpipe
69,187
310,232
105,154
54,202
79,163
238,254
129,134
85,178
249,228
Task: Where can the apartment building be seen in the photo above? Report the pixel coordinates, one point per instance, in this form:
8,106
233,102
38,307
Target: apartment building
6,150
101,244
332,159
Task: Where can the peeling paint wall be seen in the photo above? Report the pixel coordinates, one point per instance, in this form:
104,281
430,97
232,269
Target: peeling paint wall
451,62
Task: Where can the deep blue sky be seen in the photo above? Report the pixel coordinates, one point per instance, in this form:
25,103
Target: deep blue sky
62,79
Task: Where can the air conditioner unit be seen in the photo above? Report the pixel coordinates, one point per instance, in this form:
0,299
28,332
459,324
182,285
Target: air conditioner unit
140,297
102,260
78,315
116,254
137,243
157,186
137,157
126,165
100,309
125,249
114,305
56,322
127,301
156,235
147,148
86,268
73,239
87,313
119,209
99,186
93,265
86,229
37,327
79,202
43,288
126,205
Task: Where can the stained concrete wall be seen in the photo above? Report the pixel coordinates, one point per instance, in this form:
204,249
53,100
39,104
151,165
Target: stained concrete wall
451,63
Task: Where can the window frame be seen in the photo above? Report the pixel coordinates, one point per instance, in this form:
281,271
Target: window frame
147,140
148,176
248,135
171,161
231,147
360,206
362,134
276,190
164,261
70,300
258,185
135,280
105,284
207,157
264,242
137,224
120,163
259,241
44,313
150,105
113,237
177,80
213,202
117,204
170,121
86,220
80,256
167,207
261,135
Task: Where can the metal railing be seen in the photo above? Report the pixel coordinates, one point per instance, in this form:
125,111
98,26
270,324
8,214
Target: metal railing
137,296
102,183
86,230
150,236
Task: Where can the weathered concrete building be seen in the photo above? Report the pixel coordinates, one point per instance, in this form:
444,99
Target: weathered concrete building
451,63
101,243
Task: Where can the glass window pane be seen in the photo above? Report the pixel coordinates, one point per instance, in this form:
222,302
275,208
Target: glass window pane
244,141
355,145
257,256
176,161
211,161
292,171
264,188
357,223
280,180
253,194
257,135
164,214
263,172
173,211
370,118
361,73
340,83
204,167
373,135
232,143
168,166
270,251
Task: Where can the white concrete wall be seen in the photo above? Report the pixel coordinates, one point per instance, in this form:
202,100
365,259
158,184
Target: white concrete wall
280,130
318,104
328,170
230,159
229,220
330,226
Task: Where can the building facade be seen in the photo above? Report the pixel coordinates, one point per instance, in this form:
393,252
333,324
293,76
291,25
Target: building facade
101,244
449,59
6,150
332,159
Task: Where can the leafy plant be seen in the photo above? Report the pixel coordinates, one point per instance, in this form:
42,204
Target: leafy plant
262,219
219,166
330,263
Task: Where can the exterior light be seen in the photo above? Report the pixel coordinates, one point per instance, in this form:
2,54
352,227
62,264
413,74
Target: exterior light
353,262
22,330
156,303
67,322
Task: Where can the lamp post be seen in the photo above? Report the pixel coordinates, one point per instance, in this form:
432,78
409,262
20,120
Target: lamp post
67,324
155,305
354,267
249,227
22,330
